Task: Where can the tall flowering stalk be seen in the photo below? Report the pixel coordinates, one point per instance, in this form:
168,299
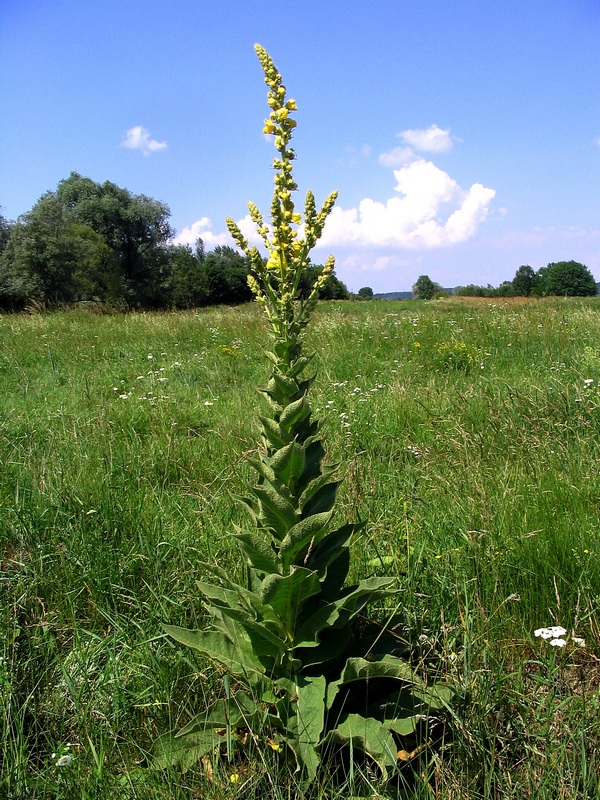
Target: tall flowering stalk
275,281
306,684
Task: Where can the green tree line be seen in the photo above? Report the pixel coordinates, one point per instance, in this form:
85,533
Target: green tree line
559,278
98,242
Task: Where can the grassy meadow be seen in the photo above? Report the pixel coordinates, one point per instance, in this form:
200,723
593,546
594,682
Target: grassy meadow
467,433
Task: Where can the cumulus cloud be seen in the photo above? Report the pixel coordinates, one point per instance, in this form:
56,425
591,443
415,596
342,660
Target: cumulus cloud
428,140
431,210
417,140
202,229
138,138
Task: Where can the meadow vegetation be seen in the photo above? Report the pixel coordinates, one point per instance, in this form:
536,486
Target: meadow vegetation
468,435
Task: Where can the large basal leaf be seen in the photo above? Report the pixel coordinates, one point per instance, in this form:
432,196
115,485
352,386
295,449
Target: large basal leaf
170,749
339,612
238,658
237,711
286,594
361,669
306,702
302,536
367,735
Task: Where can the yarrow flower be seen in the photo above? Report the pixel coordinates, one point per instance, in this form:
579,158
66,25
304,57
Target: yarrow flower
555,634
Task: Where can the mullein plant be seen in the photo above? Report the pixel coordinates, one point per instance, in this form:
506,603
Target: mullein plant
296,675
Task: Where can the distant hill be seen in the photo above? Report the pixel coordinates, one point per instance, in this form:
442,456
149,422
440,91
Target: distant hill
398,295
393,296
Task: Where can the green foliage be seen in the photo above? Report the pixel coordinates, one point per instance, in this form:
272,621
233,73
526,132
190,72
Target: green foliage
366,293
566,279
424,288
288,634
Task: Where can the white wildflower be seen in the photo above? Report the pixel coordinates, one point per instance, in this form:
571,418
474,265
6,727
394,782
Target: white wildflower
64,761
558,643
554,632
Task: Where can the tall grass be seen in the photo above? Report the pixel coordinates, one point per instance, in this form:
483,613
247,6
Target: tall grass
468,434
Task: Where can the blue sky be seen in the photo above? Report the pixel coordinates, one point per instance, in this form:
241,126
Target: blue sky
463,136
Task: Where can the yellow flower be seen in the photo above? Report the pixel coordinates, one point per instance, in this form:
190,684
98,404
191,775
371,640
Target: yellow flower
269,126
297,218
234,777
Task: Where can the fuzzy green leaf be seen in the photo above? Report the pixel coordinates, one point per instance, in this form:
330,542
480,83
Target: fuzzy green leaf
237,711
305,534
281,389
294,413
339,612
169,749
258,552
367,735
276,513
273,434
288,463
286,594
304,727
238,658
322,500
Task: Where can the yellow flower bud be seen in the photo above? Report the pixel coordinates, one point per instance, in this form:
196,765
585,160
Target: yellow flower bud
297,218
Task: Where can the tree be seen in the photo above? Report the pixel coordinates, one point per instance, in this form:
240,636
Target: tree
226,273
524,281
135,227
5,227
424,288
187,286
366,293
568,279
334,288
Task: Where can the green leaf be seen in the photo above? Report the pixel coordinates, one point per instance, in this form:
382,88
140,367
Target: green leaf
258,552
339,612
302,536
286,594
237,711
322,500
304,727
236,657
288,463
314,454
293,413
361,669
276,513
169,749
281,389
273,434
367,735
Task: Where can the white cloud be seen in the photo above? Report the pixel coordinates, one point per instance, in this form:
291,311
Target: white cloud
428,140
431,211
202,229
138,138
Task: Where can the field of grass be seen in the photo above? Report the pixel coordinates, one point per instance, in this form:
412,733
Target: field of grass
468,434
